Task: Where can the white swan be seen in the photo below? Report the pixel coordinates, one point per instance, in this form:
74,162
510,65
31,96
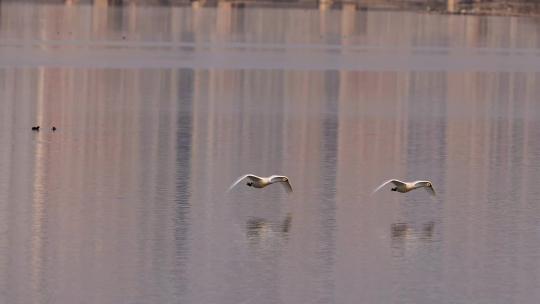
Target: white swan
406,187
261,182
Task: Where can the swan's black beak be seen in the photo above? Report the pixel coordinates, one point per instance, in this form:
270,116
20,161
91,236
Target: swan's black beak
249,184
394,189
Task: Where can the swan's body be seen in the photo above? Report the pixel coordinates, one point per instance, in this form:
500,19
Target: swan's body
404,187
261,182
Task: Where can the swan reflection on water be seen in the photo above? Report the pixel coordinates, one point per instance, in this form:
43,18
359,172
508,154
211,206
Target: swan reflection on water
262,230
406,231
407,238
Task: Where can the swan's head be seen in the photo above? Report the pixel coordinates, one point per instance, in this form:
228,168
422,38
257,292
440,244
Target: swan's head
429,187
280,179
285,179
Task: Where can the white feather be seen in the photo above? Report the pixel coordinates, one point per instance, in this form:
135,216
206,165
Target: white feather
394,181
250,176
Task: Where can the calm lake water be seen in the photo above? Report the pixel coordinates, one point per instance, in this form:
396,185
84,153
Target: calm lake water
160,109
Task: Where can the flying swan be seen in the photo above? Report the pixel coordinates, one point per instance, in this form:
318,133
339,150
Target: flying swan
406,187
261,182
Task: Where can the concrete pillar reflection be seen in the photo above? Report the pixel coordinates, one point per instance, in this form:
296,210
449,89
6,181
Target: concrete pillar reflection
452,5
325,5
101,3
348,19
224,12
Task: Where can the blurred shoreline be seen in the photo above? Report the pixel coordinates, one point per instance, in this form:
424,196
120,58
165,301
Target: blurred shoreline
463,7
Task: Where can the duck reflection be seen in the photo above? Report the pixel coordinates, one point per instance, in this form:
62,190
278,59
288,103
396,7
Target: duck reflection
260,229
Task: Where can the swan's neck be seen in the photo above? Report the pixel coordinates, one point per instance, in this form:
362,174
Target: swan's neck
413,186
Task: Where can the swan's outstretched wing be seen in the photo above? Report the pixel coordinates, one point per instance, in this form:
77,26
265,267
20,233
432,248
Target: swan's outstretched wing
287,186
250,176
393,181
430,190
